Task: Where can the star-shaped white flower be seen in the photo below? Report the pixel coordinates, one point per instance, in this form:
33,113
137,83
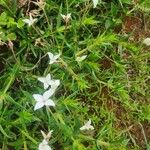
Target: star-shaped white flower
29,21
147,41
95,2
87,126
79,59
53,58
44,145
47,81
66,18
43,100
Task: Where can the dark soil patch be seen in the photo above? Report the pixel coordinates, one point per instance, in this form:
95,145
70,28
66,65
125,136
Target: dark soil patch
106,63
134,26
138,135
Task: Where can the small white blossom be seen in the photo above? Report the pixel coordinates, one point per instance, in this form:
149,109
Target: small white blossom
47,81
95,2
147,41
47,136
43,100
29,21
44,145
66,18
79,59
87,126
53,58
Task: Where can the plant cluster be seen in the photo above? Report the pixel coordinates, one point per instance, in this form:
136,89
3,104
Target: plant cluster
91,58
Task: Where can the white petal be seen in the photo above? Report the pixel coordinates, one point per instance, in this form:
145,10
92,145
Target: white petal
34,20
44,146
38,105
46,86
48,93
91,127
147,41
48,77
69,15
26,21
43,134
50,55
56,56
95,2
83,128
38,97
89,122
63,16
55,84
49,102
42,79
51,61
79,59
48,136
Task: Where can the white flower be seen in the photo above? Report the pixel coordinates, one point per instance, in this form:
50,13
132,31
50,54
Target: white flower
44,145
47,81
79,59
66,18
87,126
53,58
95,2
43,100
47,136
29,21
147,41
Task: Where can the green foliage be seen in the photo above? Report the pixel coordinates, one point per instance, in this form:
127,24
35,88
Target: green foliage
110,86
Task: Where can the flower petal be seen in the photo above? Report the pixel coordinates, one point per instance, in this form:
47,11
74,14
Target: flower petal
50,55
95,2
38,97
46,86
56,56
38,105
89,122
63,16
42,79
79,59
48,77
48,93
49,102
83,128
51,61
91,127
55,84
44,145
69,15
26,21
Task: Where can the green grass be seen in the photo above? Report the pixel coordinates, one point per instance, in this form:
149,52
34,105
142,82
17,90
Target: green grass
111,86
